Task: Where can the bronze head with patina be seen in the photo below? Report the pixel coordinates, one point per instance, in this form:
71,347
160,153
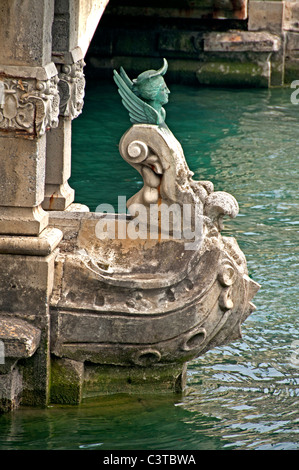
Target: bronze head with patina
144,96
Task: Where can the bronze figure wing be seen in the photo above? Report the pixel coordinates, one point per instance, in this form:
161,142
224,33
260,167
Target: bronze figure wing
140,112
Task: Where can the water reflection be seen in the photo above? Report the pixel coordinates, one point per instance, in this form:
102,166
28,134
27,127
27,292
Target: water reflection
118,422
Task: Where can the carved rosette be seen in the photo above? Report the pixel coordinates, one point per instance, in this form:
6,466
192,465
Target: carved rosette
29,106
71,89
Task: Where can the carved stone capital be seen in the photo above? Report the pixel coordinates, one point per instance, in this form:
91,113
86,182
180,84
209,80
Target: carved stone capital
28,106
71,89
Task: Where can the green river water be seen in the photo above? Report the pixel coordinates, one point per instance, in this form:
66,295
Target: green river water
241,396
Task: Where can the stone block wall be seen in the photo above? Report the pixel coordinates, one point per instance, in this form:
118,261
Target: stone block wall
206,42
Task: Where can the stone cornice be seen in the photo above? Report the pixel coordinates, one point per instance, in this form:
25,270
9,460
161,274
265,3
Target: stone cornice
39,73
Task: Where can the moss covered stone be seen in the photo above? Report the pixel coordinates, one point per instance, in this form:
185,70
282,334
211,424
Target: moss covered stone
232,74
66,381
101,380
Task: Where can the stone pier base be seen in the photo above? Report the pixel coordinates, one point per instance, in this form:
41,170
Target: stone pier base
71,381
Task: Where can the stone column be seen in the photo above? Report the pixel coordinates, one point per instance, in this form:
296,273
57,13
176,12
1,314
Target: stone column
75,22
58,194
68,58
29,108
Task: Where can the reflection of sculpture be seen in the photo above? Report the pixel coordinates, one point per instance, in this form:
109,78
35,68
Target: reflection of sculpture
144,96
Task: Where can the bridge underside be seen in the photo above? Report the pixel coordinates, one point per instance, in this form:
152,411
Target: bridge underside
206,42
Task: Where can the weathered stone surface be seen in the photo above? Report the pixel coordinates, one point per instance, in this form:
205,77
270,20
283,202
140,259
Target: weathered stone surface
58,196
101,380
71,88
30,106
58,193
42,245
20,338
25,285
74,25
19,221
158,157
292,41
27,30
25,288
240,41
140,312
222,73
22,185
66,381
266,16
39,73
291,16
10,390
22,171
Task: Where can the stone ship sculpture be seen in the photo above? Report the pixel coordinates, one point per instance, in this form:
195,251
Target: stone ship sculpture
130,297
160,285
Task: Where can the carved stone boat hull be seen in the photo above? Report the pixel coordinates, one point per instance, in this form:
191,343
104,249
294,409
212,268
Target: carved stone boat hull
145,302
154,298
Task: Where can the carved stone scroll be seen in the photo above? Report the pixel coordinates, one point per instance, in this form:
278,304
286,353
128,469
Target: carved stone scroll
157,155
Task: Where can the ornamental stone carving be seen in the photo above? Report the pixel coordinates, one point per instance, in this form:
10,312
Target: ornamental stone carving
29,106
145,289
71,89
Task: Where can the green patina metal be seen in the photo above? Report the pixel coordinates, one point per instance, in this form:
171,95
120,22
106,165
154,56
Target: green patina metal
144,96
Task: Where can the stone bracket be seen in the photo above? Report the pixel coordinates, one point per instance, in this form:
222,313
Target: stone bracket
20,338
